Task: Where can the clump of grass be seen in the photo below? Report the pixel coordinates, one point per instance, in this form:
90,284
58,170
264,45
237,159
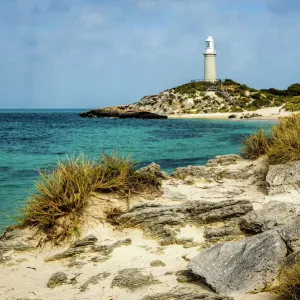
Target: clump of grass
255,145
285,146
61,195
289,284
282,146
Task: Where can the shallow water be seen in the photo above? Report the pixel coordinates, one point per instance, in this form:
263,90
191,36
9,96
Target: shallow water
33,139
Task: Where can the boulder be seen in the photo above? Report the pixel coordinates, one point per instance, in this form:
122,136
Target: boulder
233,116
161,221
290,234
154,169
273,214
284,179
157,263
245,266
133,279
56,279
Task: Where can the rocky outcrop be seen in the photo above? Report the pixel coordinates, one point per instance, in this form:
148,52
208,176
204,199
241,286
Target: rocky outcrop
227,167
133,279
155,170
273,214
88,245
284,179
290,234
57,279
94,280
185,293
121,114
244,266
160,221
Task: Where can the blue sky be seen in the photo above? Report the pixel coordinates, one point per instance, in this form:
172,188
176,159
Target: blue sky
94,53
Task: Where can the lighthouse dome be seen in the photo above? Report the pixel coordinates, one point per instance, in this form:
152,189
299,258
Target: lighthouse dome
210,39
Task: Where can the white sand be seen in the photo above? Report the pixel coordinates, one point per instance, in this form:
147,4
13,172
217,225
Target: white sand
269,113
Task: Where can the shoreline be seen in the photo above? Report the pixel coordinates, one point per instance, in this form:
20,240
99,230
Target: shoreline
269,113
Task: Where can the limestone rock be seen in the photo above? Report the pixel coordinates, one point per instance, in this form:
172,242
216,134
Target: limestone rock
224,160
192,171
186,276
66,254
133,279
291,234
157,263
56,279
160,221
215,233
154,169
108,249
293,258
284,179
185,293
227,167
15,245
87,241
273,214
244,266
94,280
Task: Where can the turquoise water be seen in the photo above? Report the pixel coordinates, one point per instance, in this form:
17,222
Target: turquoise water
35,139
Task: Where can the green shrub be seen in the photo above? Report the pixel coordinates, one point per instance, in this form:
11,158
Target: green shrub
255,96
236,109
294,89
288,287
62,195
243,87
255,145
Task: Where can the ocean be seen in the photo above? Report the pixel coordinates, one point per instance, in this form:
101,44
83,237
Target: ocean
36,139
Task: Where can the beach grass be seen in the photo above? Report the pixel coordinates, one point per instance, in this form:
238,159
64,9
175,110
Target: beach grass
285,146
288,287
282,145
62,195
255,145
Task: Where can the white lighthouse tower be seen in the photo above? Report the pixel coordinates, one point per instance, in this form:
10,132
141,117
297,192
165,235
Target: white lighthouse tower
210,73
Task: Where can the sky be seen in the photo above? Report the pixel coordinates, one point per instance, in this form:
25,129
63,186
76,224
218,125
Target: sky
96,53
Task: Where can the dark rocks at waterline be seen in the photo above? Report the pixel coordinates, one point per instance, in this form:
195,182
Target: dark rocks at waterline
121,114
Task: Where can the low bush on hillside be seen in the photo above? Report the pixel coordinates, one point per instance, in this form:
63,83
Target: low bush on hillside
289,284
255,145
282,145
292,104
61,195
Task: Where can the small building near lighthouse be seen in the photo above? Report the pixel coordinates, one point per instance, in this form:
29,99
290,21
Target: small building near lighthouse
210,71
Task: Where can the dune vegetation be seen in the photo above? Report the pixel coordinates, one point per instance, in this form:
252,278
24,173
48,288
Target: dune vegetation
62,195
288,287
282,144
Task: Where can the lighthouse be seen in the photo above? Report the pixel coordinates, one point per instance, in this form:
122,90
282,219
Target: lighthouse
210,73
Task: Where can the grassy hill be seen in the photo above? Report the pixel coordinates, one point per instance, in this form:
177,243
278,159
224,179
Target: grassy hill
229,96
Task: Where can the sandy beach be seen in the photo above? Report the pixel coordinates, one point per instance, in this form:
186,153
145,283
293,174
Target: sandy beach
269,113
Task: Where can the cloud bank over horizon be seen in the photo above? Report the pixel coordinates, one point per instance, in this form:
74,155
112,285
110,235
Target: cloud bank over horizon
94,53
